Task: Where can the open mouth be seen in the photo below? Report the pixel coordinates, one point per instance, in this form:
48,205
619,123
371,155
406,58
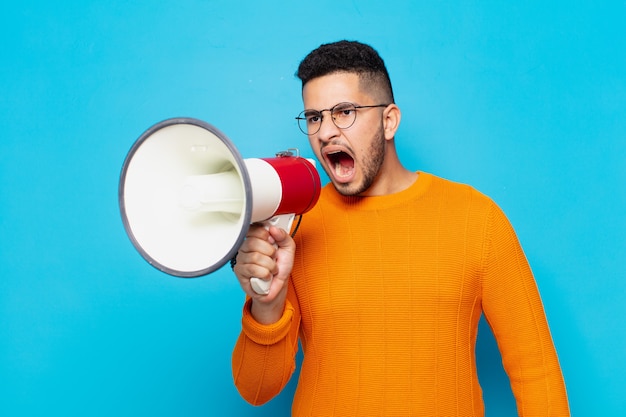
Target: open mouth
341,164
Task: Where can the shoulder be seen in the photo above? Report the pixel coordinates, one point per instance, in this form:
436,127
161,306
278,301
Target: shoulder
457,192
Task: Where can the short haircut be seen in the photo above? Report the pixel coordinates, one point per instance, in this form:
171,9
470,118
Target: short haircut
351,57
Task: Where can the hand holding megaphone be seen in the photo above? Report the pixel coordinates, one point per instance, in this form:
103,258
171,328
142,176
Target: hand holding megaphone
187,198
283,221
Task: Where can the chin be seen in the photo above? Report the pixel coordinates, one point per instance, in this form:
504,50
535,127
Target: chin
349,189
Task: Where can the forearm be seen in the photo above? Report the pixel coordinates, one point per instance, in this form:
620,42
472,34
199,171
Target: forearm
269,313
260,372
264,356
514,309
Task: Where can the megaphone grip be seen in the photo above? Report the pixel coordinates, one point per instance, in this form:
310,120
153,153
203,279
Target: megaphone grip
261,286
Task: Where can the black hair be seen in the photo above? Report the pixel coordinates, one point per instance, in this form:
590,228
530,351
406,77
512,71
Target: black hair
347,56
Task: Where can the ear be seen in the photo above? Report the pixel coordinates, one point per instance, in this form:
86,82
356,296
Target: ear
391,120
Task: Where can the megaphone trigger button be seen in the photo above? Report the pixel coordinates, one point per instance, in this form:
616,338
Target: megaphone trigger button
274,221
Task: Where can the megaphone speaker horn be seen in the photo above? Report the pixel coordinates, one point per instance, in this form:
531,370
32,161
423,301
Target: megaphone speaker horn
187,197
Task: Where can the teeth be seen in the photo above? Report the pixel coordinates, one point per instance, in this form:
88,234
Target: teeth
341,172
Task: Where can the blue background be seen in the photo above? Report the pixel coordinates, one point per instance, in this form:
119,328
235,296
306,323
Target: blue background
524,100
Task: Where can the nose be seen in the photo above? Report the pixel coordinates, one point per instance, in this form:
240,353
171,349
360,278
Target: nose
328,129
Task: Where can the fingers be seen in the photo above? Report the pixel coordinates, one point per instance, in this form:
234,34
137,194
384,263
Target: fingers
266,242
263,255
254,264
256,259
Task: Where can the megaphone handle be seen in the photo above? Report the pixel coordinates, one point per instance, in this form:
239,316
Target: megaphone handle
284,221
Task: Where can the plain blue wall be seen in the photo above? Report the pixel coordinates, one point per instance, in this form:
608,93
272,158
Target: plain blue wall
526,101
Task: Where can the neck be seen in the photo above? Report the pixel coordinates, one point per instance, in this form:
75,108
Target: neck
392,178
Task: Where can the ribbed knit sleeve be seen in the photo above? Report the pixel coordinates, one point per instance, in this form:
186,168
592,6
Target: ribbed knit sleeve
264,356
513,309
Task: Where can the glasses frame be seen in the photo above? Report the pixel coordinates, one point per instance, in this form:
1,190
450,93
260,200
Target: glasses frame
301,116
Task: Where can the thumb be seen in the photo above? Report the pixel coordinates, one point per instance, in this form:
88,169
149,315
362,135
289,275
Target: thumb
286,249
282,239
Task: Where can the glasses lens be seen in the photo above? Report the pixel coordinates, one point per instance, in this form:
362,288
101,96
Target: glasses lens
309,121
344,115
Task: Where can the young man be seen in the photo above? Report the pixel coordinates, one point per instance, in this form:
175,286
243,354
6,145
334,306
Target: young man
387,277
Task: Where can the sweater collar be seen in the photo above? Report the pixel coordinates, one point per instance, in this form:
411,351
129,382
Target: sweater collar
416,190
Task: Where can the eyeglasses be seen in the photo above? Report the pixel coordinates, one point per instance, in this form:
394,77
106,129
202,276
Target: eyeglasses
343,116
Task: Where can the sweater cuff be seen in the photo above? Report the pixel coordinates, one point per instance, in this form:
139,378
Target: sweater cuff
266,334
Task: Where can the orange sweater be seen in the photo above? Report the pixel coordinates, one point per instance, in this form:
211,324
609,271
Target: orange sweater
385,298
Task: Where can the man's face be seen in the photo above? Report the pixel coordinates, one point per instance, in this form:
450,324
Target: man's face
351,157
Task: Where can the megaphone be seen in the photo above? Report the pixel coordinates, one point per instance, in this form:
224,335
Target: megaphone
187,197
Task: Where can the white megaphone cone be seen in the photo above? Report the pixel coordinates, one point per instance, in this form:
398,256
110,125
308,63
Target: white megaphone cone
187,198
